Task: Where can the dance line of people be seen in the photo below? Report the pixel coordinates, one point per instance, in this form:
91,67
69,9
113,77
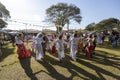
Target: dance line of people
57,44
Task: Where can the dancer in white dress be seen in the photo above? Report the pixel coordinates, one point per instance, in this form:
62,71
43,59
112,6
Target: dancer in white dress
60,48
74,46
39,48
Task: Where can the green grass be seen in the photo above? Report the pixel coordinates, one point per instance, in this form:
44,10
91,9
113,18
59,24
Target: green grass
105,65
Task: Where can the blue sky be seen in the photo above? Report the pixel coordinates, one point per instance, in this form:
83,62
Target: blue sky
33,11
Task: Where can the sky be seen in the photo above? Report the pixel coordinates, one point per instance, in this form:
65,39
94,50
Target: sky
33,12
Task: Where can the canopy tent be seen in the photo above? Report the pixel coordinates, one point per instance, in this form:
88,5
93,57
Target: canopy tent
30,31
3,31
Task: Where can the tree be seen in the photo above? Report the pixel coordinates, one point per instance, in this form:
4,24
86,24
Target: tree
2,24
118,25
62,14
107,24
90,27
4,13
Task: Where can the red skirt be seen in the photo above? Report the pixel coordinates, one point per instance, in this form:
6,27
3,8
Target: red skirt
22,51
89,50
53,49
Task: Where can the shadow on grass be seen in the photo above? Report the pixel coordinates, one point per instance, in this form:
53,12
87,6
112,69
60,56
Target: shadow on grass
107,46
52,71
101,58
6,51
98,70
25,63
48,63
107,60
56,75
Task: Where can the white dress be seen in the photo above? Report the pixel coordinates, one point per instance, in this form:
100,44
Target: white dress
60,49
39,48
33,42
73,48
49,43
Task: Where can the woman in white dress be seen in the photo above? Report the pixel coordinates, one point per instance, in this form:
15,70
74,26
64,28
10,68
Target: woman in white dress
60,48
74,46
39,48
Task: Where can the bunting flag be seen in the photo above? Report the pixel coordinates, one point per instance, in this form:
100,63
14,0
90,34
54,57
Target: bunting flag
24,23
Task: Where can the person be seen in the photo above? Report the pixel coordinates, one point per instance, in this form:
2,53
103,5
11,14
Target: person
60,48
99,39
0,53
74,46
54,44
33,43
44,43
80,45
94,40
89,47
39,48
22,51
12,37
48,45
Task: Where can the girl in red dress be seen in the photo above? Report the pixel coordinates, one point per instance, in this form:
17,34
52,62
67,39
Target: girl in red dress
22,51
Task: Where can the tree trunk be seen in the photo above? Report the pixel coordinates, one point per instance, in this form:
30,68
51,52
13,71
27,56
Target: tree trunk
68,27
59,30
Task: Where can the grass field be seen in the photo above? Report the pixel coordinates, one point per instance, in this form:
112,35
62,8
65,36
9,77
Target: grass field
105,65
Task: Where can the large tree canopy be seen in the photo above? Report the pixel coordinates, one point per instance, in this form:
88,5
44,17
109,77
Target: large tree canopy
62,14
4,13
107,24
2,24
90,27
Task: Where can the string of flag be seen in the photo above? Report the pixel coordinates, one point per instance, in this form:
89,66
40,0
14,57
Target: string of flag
25,23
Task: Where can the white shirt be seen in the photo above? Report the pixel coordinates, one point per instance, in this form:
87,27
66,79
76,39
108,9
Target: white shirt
74,41
38,40
18,41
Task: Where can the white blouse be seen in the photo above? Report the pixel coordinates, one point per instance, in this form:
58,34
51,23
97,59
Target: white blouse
18,41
